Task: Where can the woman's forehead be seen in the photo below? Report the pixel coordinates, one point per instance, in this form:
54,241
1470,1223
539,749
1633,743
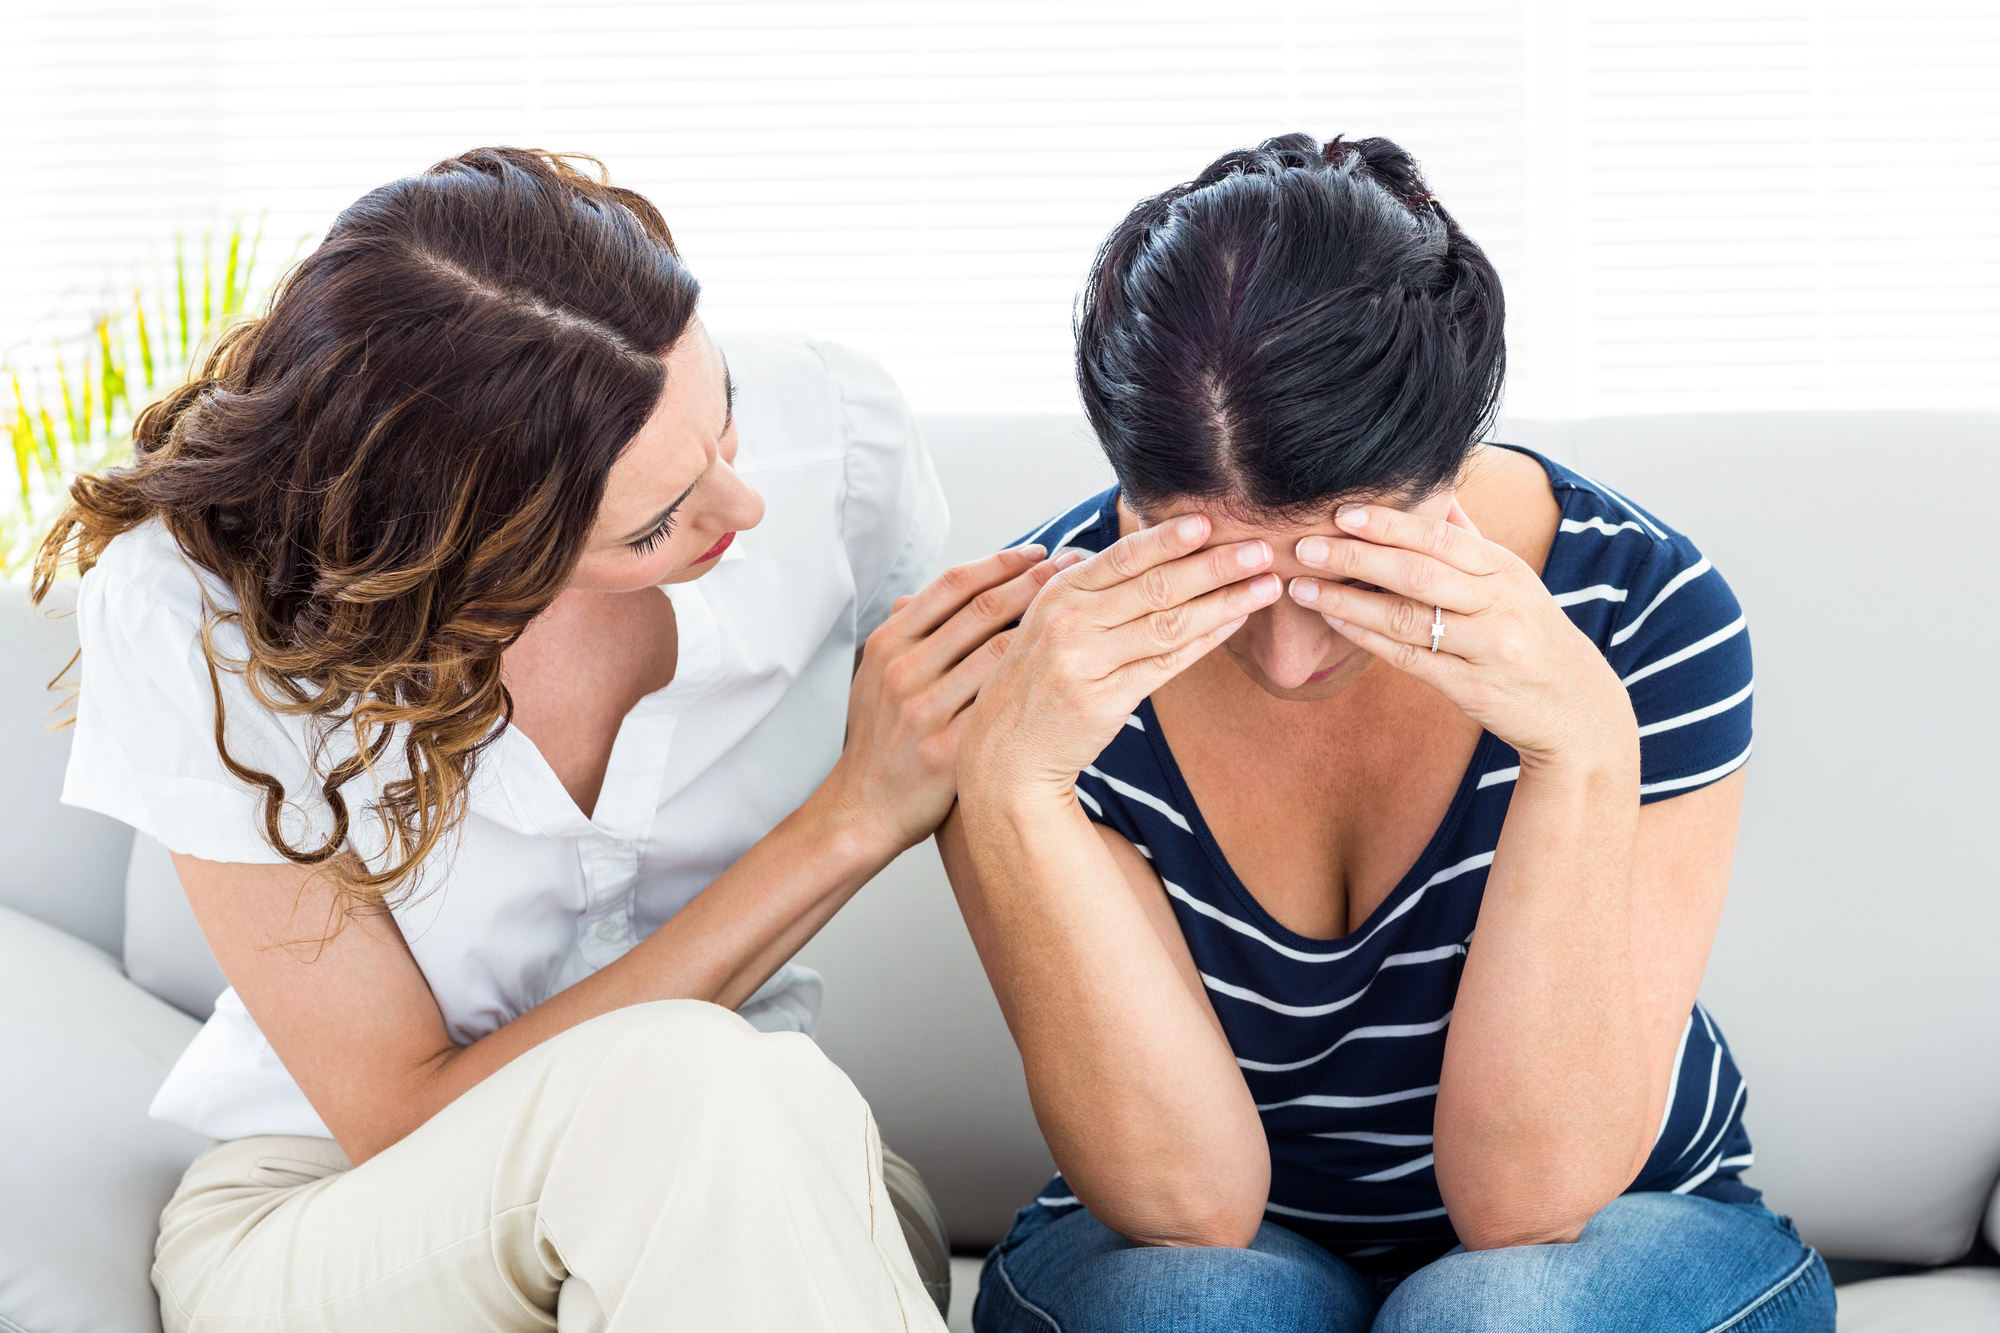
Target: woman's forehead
1231,523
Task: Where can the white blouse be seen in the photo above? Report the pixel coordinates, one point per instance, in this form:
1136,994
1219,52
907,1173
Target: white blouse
531,895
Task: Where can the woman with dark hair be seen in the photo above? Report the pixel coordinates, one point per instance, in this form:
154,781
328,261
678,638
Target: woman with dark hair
498,772
1354,966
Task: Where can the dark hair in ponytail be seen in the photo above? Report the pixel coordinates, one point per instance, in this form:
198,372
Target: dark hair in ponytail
1297,325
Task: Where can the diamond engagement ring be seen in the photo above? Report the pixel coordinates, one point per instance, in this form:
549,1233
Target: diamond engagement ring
1437,627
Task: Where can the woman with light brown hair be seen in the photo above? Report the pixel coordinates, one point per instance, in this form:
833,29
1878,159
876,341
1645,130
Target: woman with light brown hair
499,773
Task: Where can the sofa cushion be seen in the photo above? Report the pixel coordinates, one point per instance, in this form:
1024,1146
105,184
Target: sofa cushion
1951,1300
1853,972
85,1172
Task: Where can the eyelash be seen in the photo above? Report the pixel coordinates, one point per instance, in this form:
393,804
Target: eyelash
647,544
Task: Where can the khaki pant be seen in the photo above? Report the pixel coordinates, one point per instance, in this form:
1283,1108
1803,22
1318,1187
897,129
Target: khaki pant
664,1167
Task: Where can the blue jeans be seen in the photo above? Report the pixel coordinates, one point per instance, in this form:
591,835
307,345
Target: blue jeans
1647,1261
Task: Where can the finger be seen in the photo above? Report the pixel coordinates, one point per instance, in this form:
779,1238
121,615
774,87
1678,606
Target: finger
1166,631
1177,582
1385,526
1458,518
1141,678
1420,577
1389,615
1129,557
978,620
962,684
1434,669
948,592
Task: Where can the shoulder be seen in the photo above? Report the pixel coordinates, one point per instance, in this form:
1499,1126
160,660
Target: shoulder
145,567
1626,577
800,399
1669,624
1090,525
823,430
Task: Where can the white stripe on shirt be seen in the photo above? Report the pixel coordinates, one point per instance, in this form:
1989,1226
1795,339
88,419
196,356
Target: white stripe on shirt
1214,913
1698,779
1699,714
1601,592
1396,1172
1351,1103
1674,585
1133,793
1437,955
1599,525
1358,1034
1722,635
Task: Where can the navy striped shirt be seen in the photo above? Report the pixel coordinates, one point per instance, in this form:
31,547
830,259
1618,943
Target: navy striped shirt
1341,1041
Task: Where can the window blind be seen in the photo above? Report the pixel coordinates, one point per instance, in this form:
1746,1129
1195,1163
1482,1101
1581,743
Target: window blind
1724,206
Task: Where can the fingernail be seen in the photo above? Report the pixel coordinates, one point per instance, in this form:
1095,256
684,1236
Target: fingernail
1305,590
1069,555
1336,622
1189,528
1266,587
1234,625
1313,550
1351,516
1252,554
1034,550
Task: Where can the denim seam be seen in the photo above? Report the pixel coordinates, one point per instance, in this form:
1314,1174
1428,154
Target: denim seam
1777,1289
1000,1267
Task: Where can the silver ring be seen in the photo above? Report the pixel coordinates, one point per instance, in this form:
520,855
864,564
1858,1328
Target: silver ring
1437,627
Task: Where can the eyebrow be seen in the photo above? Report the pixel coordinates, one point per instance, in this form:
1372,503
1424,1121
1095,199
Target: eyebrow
728,419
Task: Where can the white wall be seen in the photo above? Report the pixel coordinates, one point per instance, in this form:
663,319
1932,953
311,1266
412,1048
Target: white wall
1707,206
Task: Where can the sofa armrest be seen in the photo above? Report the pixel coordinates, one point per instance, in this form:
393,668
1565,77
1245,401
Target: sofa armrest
85,1172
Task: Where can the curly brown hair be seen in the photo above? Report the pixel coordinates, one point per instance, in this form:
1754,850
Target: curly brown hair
395,468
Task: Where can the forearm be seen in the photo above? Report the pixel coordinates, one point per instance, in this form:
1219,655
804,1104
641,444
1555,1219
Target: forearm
1544,1098
721,947
1134,1086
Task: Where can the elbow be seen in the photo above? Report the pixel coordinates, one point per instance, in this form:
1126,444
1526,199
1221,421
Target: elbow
1211,1229
1506,1233
1197,1215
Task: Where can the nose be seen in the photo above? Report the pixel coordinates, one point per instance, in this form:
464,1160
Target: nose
738,504
1291,643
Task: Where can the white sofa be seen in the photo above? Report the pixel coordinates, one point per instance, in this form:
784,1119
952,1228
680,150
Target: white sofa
1855,970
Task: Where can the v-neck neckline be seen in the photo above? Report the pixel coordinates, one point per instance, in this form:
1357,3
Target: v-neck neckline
1420,871
636,769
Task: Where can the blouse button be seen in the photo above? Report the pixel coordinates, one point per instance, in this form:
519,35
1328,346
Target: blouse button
607,929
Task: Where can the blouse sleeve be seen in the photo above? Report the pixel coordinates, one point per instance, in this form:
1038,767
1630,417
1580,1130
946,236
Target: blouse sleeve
893,517
144,750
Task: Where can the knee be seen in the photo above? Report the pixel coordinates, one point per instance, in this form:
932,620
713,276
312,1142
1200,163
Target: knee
711,1055
1088,1280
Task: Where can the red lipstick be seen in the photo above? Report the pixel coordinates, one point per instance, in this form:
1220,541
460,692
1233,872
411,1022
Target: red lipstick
718,548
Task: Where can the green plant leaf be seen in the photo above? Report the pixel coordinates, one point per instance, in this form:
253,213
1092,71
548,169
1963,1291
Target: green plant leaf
145,342
111,373
229,293
78,431
48,437
22,432
181,287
